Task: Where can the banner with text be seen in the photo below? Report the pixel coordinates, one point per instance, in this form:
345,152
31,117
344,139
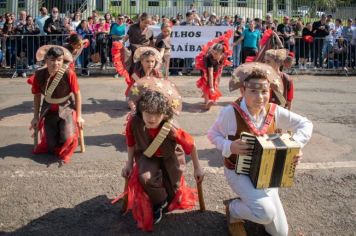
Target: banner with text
187,40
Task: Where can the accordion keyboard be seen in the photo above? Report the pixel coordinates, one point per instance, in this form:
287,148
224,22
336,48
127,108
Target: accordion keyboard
243,164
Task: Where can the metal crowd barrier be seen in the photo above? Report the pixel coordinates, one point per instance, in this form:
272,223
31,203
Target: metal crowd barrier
17,56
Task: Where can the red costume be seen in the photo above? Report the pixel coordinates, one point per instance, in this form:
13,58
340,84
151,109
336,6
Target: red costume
201,62
58,122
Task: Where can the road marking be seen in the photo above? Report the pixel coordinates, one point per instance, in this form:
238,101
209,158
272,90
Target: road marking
97,174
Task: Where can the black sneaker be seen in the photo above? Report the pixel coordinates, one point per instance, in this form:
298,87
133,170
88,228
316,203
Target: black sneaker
158,212
157,215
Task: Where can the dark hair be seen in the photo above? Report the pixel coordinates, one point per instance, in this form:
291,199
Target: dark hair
188,14
154,102
219,47
54,52
145,16
256,74
165,25
74,39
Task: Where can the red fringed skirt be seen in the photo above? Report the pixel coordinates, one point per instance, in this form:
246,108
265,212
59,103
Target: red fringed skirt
140,205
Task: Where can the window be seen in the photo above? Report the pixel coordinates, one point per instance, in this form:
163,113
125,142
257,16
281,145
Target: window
3,3
241,3
116,3
21,4
207,3
224,3
132,3
188,2
153,3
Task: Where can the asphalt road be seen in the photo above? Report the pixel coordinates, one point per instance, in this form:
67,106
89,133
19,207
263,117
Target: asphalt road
38,198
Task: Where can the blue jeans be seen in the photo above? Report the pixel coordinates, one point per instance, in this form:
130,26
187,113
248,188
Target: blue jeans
236,56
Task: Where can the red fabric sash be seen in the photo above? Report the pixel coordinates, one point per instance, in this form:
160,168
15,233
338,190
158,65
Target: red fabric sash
251,125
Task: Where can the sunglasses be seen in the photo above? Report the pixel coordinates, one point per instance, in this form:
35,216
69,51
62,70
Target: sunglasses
54,11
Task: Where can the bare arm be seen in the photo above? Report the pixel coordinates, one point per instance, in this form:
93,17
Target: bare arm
36,110
198,172
126,171
78,108
210,77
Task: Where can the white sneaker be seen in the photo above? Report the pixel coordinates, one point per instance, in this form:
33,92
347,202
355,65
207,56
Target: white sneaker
23,75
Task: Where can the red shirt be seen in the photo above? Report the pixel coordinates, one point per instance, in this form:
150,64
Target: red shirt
73,84
181,137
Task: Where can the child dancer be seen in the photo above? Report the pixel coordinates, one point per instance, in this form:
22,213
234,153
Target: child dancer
155,168
211,61
277,58
253,113
60,114
145,63
163,44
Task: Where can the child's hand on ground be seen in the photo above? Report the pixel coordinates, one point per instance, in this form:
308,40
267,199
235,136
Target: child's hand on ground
240,147
126,171
198,174
80,122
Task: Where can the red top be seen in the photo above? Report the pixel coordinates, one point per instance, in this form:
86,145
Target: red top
73,84
182,138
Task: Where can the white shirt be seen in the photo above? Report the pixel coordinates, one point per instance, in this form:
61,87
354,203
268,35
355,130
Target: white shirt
40,21
284,119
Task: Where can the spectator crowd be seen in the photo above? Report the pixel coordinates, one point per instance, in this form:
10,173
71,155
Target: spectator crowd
323,43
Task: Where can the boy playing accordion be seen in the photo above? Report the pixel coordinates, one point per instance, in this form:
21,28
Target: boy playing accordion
253,113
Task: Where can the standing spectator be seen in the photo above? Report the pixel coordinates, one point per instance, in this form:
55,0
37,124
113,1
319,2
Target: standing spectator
107,18
8,32
22,19
286,32
189,19
237,20
84,33
269,19
101,33
117,32
204,18
307,40
68,27
236,57
353,45
40,22
297,27
320,31
31,42
213,20
329,39
139,35
76,20
251,38
340,52
163,45
54,26
95,16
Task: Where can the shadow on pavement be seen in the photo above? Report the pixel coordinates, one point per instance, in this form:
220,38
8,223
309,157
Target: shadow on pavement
23,108
213,156
116,140
21,150
114,108
98,216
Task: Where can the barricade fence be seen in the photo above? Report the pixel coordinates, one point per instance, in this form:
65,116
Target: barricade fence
18,55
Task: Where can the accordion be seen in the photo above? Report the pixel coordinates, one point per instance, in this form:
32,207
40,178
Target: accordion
271,163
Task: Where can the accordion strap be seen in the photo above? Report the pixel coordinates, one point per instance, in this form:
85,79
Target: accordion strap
251,125
161,136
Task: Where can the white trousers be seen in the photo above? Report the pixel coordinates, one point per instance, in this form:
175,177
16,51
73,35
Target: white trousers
261,206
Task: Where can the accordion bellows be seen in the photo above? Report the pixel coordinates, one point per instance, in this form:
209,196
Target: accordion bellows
272,161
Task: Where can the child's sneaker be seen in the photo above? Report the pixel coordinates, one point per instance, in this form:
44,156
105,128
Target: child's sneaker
158,212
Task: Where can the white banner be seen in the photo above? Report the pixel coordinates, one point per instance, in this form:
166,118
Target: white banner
187,40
